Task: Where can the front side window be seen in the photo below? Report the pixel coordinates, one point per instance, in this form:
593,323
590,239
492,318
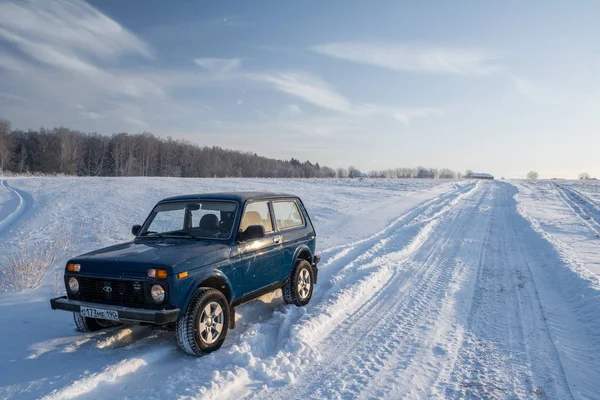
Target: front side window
257,214
196,219
287,214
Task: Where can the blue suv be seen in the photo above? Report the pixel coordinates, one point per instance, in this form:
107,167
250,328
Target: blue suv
192,261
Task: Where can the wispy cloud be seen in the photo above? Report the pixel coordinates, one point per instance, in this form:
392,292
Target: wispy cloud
92,115
291,111
411,57
319,93
135,121
219,65
72,36
306,87
70,26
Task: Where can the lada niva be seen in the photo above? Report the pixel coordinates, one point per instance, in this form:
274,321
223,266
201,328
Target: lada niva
193,260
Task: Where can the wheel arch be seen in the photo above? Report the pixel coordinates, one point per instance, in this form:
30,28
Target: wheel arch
214,279
303,253
217,282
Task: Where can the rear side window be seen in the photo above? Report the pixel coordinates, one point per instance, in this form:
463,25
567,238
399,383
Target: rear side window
287,214
257,214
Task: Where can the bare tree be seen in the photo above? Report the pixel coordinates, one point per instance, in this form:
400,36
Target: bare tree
5,144
445,173
468,174
69,144
584,175
532,175
353,172
341,173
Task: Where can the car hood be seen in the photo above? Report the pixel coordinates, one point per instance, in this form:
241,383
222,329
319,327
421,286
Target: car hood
135,258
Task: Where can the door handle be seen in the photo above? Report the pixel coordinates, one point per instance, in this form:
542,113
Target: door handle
277,239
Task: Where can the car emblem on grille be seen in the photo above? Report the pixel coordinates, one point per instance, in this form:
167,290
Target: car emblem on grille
107,289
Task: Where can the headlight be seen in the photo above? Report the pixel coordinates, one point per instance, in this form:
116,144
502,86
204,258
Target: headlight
73,285
158,293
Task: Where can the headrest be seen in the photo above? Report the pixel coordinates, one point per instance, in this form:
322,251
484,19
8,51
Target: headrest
251,218
209,222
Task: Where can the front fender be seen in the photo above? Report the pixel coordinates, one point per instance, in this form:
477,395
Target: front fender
194,282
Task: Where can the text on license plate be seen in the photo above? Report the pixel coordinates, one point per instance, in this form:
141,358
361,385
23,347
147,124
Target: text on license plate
99,313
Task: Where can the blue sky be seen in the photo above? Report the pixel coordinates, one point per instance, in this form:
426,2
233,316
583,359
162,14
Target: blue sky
502,87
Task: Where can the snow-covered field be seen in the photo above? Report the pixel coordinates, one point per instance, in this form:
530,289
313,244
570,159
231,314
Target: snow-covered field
427,289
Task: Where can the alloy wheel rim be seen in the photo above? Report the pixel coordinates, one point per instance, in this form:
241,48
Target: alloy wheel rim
304,284
211,322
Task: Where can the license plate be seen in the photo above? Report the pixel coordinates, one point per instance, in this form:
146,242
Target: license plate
99,313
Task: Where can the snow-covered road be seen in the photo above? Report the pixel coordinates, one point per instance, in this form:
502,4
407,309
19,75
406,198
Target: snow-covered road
452,291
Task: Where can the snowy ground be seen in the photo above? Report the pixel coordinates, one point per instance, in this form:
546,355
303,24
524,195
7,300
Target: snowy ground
427,289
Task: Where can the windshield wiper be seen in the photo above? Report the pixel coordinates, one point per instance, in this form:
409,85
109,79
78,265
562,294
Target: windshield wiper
152,234
180,233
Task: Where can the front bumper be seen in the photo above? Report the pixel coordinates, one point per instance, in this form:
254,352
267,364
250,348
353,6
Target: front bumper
158,317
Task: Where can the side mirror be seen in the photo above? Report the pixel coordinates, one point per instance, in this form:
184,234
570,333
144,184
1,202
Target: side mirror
253,232
135,229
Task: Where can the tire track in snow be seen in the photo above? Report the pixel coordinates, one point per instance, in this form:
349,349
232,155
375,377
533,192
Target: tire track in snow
428,353
360,345
582,207
508,350
424,207
18,210
108,376
568,298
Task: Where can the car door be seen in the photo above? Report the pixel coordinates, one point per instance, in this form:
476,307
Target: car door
292,228
260,258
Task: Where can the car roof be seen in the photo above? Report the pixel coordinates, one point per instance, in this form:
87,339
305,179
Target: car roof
231,196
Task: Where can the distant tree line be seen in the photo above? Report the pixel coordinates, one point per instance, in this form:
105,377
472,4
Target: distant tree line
418,172
70,152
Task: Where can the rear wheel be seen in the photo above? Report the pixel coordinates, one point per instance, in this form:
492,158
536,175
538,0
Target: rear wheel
85,324
203,327
299,287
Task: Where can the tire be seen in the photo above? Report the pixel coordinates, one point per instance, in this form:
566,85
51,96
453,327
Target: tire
299,287
198,329
85,324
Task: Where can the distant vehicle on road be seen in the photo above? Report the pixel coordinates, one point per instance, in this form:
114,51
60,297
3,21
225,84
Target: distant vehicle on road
482,175
192,261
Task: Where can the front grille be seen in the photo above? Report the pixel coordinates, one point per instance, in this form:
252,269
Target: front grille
121,293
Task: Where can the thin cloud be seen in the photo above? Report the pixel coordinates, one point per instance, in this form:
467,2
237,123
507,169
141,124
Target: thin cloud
71,26
407,114
71,36
319,93
135,121
291,111
306,87
92,115
219,65
411,58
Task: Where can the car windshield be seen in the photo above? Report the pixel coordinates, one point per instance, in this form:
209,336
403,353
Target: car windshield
195,220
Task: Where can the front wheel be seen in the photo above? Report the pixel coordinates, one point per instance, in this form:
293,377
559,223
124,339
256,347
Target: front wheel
86,324
203,327
299,287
